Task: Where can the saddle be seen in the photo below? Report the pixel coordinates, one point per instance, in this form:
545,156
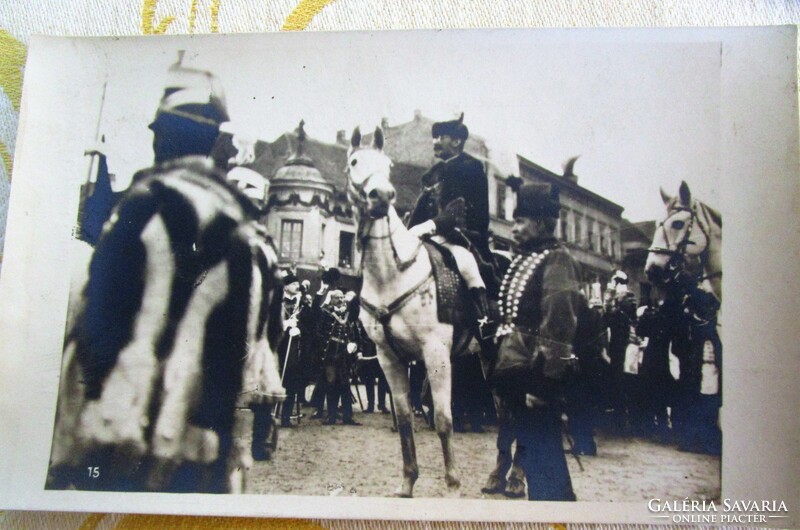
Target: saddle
450,299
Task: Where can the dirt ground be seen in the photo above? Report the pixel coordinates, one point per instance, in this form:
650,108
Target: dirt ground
317,459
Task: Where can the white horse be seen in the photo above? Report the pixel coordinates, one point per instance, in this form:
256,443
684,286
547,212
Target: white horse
399,298
688,239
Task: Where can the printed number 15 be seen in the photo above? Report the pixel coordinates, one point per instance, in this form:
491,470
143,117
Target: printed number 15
94,471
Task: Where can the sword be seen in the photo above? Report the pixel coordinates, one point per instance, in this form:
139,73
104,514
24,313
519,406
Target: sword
276,409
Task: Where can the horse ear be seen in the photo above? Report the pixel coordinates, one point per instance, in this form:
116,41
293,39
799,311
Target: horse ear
377,141
664,197
685,194
355,140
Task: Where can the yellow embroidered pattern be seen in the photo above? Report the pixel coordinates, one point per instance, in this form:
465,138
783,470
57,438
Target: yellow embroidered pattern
301,16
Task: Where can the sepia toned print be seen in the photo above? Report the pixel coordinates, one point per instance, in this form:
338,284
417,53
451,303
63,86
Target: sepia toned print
295,273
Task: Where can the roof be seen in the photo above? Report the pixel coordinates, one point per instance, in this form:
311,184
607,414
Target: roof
641,232
411,142
531,168
331,160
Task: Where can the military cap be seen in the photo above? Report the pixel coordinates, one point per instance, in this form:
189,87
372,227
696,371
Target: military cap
538,201
454,128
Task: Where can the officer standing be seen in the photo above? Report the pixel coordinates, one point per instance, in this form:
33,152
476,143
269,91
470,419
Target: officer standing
292,349
539,307
338,334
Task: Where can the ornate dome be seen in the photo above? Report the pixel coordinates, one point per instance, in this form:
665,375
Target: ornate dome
299,169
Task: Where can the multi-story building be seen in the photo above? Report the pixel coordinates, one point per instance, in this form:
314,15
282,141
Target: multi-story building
312,222
307,211
590,225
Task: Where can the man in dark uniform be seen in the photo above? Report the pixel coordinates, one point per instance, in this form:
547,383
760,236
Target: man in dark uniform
292,349
454,210
539,307
337,331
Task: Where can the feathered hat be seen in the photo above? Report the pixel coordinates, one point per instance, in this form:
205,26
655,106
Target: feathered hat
454,128
538,201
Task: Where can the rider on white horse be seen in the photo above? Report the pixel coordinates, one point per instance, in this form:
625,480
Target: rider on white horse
454,211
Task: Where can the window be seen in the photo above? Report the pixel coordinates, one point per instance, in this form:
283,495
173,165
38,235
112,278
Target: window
564,226
501,199
578,232
346,249
613,249
602,231
291,239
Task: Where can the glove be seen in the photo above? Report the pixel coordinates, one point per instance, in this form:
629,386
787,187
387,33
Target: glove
454,216
533,402
351,347
293,332
423,229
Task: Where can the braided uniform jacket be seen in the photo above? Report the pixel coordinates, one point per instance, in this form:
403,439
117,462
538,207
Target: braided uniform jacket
539,305
336,331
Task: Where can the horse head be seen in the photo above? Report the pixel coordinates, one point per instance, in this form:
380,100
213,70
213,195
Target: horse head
368,184
681,240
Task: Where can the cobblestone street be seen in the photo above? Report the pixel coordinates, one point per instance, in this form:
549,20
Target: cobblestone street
315,459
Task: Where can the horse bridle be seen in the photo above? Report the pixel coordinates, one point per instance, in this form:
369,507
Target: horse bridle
678,254
365,224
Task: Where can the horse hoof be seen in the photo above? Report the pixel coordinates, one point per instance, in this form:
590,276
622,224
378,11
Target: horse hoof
515,489
453,492
494,486
402,494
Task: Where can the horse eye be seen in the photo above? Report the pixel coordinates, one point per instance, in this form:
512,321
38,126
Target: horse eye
354,162
677,225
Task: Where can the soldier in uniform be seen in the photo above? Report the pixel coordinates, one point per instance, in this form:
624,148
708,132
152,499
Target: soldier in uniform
338,336
454,211
292,349
539,306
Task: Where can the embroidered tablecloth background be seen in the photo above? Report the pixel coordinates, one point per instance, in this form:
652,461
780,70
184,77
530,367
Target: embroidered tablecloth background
19,19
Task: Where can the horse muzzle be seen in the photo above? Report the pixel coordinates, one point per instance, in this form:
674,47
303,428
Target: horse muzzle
380,195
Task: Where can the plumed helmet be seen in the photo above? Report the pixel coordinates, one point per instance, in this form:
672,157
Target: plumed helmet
538,201
193,94
454,128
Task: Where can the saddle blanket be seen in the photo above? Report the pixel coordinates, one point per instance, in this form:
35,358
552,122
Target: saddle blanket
450,299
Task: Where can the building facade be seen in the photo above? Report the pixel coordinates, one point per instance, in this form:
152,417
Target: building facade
312,222
590,225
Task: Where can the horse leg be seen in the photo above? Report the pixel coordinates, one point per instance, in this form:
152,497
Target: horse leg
439,375
397,377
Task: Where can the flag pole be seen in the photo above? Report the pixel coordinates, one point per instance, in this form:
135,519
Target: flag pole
88,187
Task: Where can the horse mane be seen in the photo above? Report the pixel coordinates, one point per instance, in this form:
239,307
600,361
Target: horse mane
714,215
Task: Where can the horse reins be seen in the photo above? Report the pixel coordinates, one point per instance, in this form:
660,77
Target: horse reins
678,255
383,314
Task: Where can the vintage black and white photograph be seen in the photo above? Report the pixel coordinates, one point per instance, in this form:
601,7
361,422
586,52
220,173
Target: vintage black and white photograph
467,265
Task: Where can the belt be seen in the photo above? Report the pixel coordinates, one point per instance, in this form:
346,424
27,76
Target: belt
337,339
